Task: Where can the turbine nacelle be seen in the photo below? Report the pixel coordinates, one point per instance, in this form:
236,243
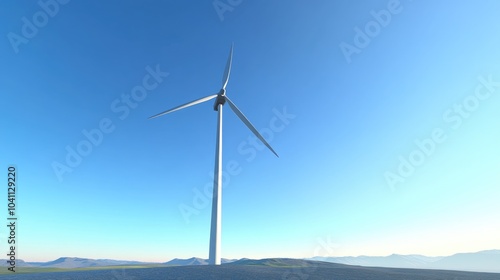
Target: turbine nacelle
221,99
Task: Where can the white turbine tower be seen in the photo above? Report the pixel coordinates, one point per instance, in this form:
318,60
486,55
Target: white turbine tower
215,231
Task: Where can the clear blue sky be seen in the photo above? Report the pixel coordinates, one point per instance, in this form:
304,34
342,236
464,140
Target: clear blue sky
391,144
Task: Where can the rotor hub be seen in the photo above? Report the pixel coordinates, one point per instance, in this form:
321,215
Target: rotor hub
220,100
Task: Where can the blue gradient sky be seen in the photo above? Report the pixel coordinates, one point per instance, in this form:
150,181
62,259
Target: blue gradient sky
356,120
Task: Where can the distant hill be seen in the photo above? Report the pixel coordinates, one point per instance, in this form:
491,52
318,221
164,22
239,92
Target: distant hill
67,262
19,263
81,262
287,263
70,262
484,261
194,261
191,261
394,260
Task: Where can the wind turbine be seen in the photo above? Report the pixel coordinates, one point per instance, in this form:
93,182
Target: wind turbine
221,98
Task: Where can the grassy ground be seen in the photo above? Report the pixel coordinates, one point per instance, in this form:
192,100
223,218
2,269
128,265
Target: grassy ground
24,270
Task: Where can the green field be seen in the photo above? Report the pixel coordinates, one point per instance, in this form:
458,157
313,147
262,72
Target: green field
25,270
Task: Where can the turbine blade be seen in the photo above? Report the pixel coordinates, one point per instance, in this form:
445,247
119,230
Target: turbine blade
227,71
248,124
185,105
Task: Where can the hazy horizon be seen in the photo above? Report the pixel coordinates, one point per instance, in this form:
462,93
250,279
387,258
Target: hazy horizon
238,258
